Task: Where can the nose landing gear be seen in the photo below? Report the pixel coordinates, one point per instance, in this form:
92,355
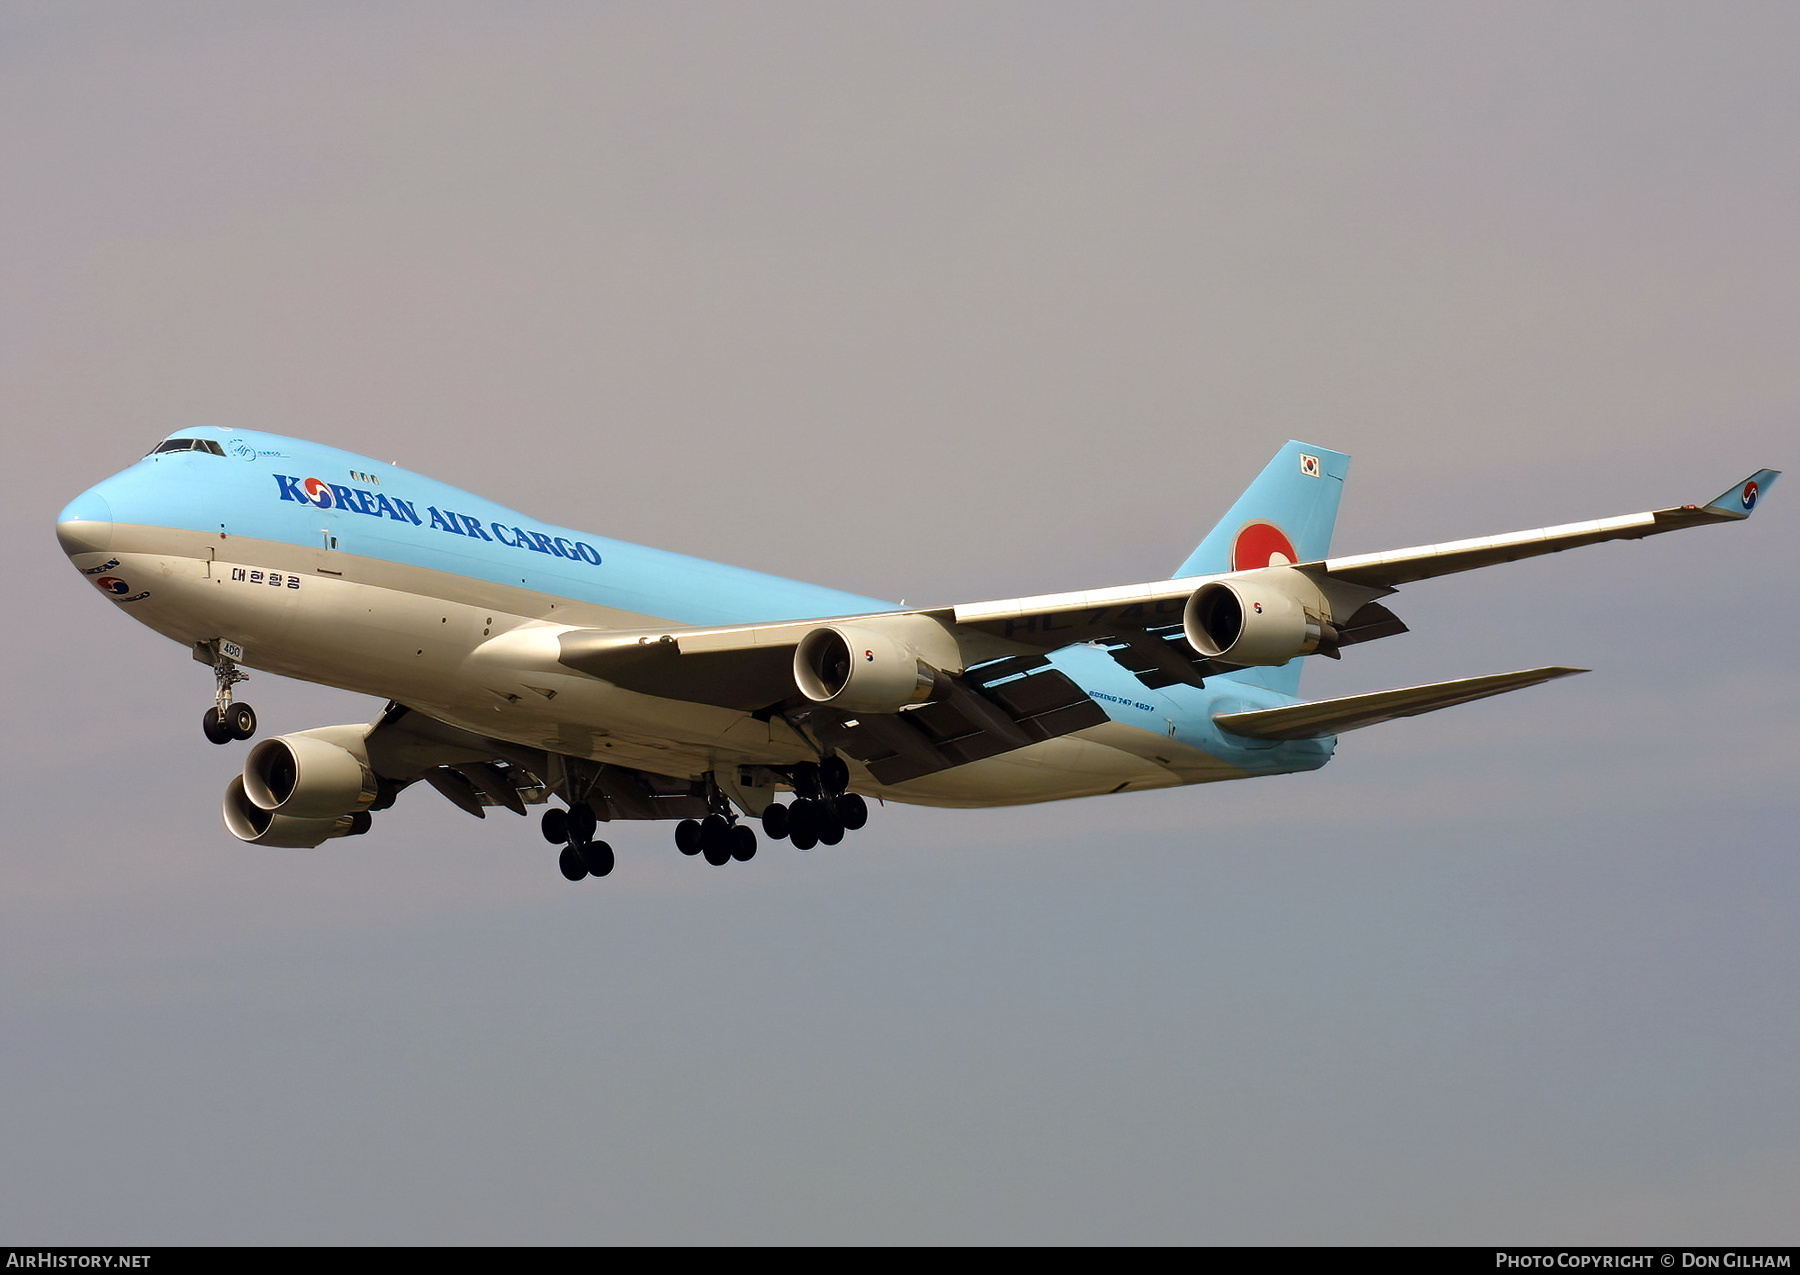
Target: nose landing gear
225,720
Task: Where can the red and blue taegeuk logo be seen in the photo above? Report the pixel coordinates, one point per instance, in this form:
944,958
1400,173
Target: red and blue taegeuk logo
113,585
1262,544
317,492
1749,496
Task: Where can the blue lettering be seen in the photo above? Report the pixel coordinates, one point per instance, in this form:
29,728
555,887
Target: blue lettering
344,497
474,527
565,548
442,523
290,489
366,502
403,509
588,552
544,544
500,535
526,540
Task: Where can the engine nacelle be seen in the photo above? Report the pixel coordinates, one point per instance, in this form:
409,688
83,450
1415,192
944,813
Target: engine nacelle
305,777
1250,622
861,669
247,821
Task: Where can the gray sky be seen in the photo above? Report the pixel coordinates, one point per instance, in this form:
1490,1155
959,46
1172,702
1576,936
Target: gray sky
941,302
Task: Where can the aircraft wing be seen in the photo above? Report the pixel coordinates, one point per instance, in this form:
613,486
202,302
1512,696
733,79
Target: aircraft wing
477,773
1353,712
1422,562
1052,620
750,667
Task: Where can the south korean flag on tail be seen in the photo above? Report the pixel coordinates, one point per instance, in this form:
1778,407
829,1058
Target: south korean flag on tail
1309,465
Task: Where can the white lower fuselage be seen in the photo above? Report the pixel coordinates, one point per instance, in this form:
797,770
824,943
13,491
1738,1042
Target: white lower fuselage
484,657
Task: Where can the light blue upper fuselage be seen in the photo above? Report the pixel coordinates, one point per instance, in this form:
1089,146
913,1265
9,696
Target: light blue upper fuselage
296,492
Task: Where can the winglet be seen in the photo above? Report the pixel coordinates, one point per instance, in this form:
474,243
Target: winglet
1740,501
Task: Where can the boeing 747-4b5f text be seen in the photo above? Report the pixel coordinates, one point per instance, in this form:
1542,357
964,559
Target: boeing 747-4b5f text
522,662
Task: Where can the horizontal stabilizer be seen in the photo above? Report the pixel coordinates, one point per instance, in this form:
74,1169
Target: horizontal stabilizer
1334,716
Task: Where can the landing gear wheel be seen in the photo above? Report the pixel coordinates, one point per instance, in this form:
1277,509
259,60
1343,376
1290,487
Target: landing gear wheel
775,822
241,718
834,775
803,824
216,728
715,840
555,824
806,779
851,810
687,836
582,822
598,856
831,828
743,843
571,863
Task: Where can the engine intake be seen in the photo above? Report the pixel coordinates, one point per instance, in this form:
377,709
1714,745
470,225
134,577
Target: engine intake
1250,623
861,669
303,777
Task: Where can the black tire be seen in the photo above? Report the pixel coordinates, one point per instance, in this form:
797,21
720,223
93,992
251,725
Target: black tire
743,843
831,828
715,839
555,824
806,779
599,858
803,821
687,836
360,822
804,840
572,864
775,821
582,822
215,727
242,720
834,775
852,811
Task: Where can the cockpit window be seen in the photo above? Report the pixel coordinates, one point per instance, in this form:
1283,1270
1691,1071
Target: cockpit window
188,445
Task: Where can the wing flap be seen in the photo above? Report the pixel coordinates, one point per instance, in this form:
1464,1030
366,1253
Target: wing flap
982,719
1353,712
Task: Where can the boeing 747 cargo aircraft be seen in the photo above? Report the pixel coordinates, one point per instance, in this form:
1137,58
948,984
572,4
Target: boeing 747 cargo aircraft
523,662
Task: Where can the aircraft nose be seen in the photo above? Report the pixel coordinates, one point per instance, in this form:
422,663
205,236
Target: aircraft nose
86,525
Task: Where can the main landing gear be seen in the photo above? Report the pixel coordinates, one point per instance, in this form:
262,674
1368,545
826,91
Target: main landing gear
225,720
822,811
718,837
573,829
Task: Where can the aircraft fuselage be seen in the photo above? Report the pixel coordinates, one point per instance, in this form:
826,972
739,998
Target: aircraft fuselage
330,567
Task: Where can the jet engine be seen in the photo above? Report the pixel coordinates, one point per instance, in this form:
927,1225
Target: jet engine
1252,621
862,669
300,790
247,821
304,777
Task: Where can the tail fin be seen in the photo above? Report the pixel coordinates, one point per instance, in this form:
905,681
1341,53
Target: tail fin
1286,515
1295,496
